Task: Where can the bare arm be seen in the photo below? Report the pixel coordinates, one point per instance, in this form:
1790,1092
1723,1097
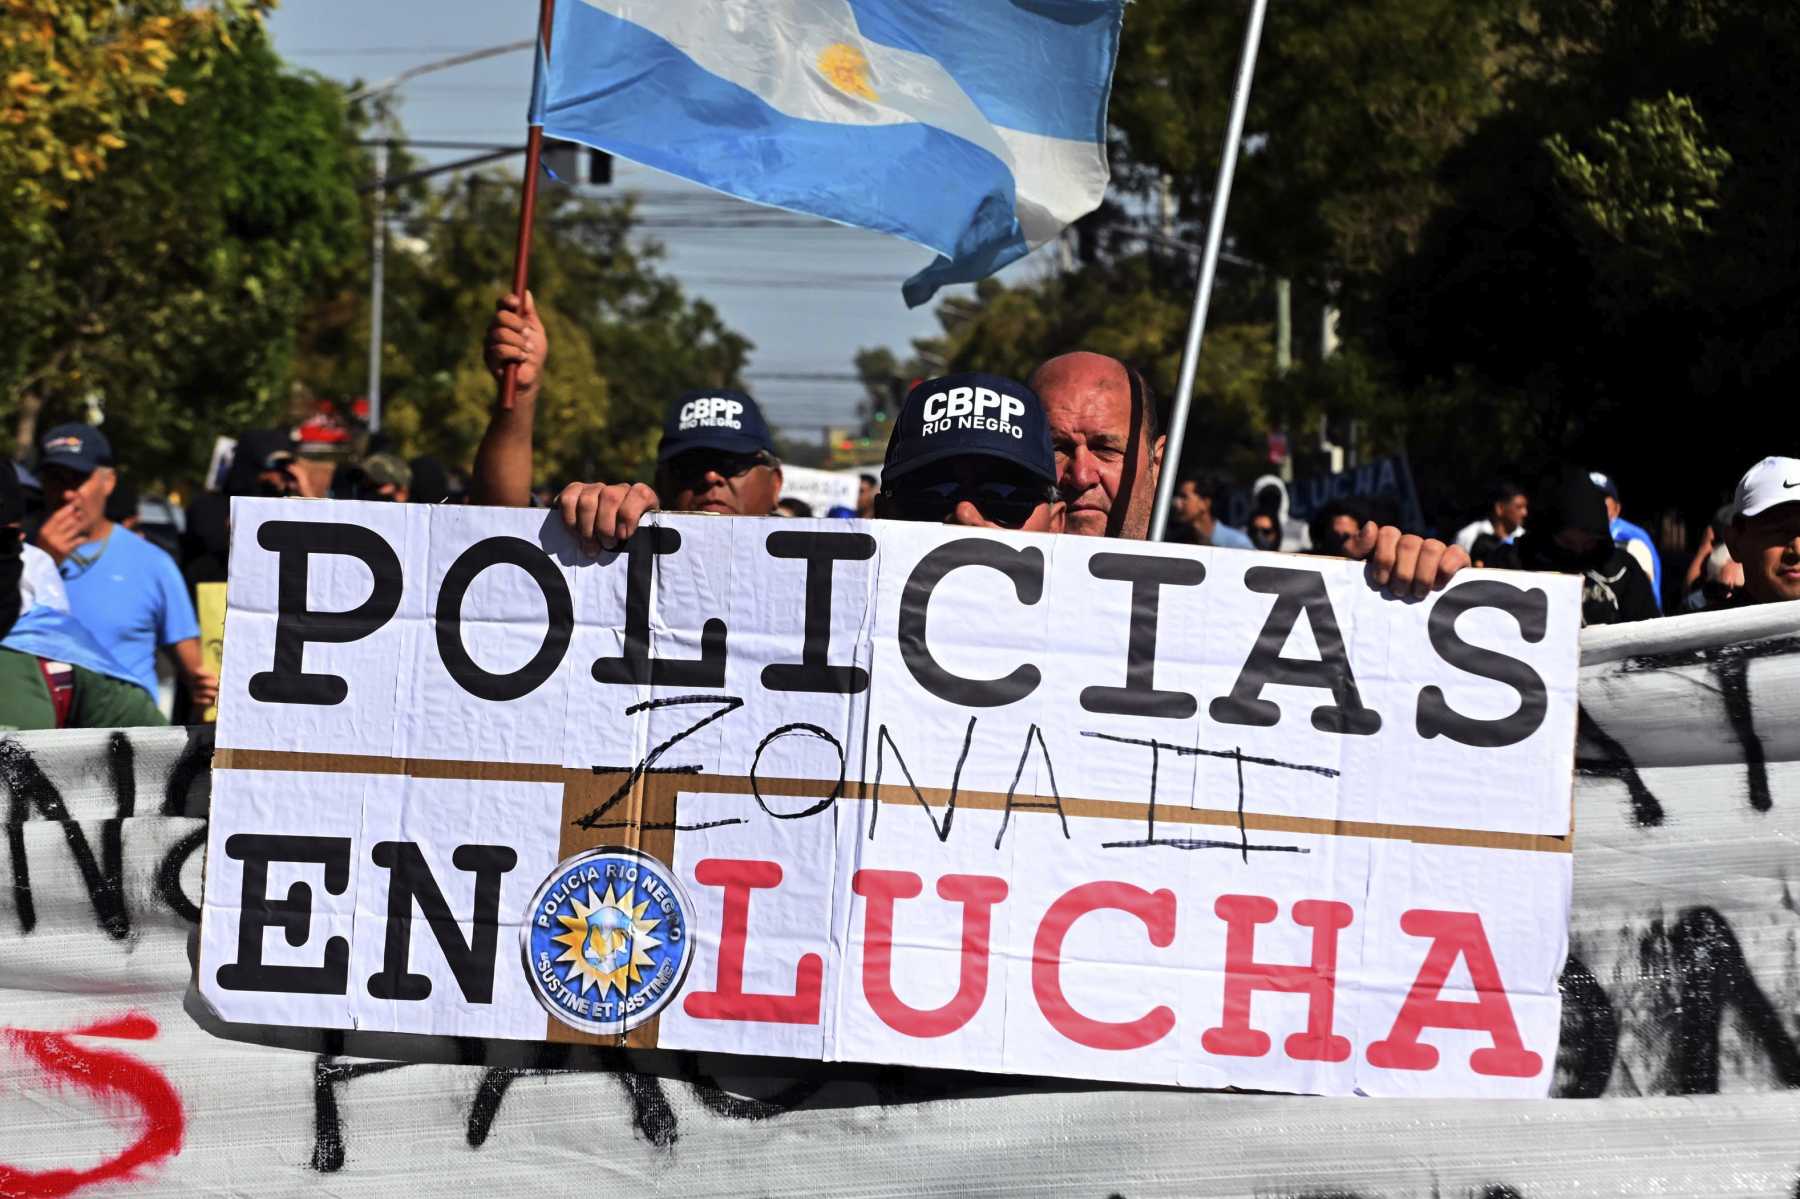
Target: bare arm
503,462
1697,567
203,686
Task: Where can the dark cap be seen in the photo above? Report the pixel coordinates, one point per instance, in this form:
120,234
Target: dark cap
970,414
387,470
720,419
75,447
1604,482
12,494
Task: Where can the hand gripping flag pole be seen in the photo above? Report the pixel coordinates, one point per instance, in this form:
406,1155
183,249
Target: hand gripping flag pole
534,154
1209,265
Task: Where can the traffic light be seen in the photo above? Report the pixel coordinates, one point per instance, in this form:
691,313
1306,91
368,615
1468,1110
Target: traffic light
574,163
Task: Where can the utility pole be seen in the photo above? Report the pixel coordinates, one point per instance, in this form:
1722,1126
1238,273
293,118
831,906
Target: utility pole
1284,325
378,245
377,254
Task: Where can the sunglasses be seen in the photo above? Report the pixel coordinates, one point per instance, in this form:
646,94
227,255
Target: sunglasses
1008,505
696,465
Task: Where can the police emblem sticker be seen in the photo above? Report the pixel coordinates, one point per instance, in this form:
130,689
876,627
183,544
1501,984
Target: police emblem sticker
606,940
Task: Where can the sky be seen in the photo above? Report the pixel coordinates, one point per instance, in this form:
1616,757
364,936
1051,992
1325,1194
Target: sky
809,294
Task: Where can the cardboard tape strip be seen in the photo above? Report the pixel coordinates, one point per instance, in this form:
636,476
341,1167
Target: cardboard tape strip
317,763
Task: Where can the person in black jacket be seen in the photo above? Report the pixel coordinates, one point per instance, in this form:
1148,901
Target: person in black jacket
1569,533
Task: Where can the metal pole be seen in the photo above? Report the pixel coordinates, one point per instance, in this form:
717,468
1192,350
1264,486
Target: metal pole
534,151
376,254
1209,262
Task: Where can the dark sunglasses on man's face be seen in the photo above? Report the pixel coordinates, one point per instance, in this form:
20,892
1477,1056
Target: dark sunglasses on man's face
1008,504
694,466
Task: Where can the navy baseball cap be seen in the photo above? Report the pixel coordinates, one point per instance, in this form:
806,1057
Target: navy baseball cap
76,447
970,414
720,419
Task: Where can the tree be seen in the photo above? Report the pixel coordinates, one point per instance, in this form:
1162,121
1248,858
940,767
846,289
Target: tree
77,75
1615,261
1354,108
167,288
624,338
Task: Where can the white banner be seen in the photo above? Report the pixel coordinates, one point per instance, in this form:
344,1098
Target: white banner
821,490
1680,1024
860,791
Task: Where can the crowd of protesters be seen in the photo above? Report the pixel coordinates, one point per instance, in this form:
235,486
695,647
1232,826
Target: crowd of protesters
97,586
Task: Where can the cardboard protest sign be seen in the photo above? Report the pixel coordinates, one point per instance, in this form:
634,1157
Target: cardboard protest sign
1385,480
820,490
892,793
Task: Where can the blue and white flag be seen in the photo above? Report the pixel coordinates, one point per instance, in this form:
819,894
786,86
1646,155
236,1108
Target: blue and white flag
976,128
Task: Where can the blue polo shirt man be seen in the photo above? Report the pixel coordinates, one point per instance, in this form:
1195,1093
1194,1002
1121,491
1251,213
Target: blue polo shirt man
127,592
1634,539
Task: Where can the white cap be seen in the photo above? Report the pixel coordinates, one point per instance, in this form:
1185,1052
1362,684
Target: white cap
1770,482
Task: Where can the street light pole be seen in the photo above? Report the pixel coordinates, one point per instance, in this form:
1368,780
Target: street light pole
378,245
377,254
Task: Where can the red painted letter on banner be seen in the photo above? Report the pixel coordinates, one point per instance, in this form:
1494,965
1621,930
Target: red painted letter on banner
1455,934
1157,911
729,1001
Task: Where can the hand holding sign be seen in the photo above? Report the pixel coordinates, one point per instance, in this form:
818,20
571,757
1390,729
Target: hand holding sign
601,515
1405,563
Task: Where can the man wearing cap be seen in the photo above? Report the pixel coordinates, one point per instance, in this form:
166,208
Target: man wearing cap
53,674
1765,531
385,477
128,593
972,449
1633,539
1105,428
716,455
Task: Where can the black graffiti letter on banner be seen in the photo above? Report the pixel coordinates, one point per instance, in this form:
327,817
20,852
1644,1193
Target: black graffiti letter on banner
1296,592
1147,576
293,915
296,624
410,879
1025,567
813,672
635,667
558,605
1531,609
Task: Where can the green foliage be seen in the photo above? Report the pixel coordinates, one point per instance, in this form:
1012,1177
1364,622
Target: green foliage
1648,191
76,74
1353,109
167,288
1555,230
624,339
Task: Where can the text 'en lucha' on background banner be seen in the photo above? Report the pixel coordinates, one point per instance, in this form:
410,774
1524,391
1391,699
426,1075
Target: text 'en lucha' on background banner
865,791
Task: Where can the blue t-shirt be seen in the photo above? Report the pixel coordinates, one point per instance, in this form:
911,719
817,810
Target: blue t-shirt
131,597
1624,531
1228,538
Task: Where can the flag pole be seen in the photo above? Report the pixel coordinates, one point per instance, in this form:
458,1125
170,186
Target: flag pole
1209,264
534,154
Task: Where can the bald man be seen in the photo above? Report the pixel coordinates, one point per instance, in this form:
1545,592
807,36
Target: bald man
1109,455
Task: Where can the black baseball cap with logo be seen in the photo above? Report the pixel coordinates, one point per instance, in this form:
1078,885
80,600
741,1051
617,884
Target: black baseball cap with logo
721,420
75,447
970,415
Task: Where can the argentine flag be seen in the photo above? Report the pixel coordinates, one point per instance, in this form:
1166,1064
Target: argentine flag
976,128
